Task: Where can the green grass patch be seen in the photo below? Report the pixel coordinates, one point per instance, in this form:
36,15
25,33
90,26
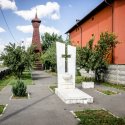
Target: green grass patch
4,82
10,80
1,108
26,78
117,86
98,117
52,87
107,92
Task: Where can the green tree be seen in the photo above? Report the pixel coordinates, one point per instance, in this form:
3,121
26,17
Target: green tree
84,56
49,57
100,56
18,59
49,39
95,58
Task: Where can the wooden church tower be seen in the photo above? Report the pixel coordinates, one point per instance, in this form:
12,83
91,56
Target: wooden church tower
36,36
36,41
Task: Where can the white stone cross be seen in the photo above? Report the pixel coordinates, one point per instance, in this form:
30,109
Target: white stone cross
66,56
65,60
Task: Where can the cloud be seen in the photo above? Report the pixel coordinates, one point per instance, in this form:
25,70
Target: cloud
50,10
2,30
25,29
43,29
8,4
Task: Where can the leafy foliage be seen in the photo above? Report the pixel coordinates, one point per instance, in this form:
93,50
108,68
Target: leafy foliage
19,89
101,54
49,57
84,55
18,59
96,58
49,39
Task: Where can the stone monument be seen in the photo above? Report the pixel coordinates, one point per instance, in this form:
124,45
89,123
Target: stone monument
66,65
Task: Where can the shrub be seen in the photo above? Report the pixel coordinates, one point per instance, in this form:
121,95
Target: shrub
97,57
78,72
19,89
79,79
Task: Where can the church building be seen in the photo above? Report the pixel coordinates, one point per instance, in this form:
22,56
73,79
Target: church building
107,16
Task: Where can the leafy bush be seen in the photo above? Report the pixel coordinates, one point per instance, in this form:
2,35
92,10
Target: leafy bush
97,57
17,58
49,58
79,79
78,72
19,89
89,79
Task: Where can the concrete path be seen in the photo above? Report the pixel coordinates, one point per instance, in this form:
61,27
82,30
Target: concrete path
45,108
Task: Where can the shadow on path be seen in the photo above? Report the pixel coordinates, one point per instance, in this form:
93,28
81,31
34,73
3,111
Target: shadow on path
26,107
40,78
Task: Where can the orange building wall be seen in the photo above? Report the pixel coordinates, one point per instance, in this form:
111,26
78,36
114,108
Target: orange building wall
119,29
102,22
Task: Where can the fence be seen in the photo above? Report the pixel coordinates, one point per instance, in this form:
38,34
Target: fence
115,74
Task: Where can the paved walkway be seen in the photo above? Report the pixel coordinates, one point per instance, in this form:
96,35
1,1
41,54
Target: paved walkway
45,108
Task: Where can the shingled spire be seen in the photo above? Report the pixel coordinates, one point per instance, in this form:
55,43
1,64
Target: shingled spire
36,36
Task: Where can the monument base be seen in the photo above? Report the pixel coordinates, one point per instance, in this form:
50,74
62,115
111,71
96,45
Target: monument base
73,96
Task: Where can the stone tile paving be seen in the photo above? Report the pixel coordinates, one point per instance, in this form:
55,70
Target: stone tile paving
45,108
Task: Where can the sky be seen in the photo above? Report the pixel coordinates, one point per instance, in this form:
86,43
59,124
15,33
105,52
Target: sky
56,15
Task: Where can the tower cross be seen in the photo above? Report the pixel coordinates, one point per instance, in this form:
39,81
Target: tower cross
66,56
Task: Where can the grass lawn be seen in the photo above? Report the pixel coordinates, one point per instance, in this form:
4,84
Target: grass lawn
52,87
26,78
10,80
117,86
107,92
1,108
5,81
98,117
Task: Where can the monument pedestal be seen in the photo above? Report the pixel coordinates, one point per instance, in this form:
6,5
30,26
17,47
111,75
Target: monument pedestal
66,78
73,96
